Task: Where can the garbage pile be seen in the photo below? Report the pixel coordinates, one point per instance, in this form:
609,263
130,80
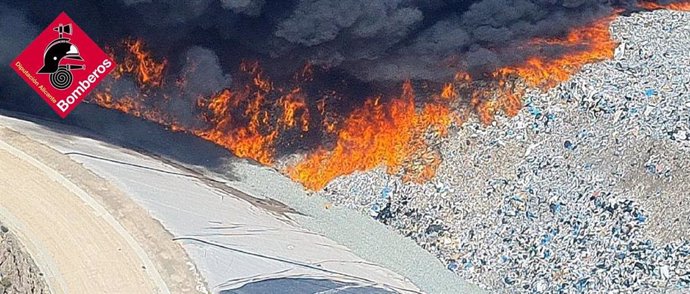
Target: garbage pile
585,190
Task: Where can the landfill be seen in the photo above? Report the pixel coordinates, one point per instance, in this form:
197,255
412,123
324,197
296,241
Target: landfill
585,190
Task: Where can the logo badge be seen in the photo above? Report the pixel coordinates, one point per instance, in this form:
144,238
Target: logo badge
63,65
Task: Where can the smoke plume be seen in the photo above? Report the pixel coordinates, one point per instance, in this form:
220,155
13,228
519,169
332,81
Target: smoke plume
375,42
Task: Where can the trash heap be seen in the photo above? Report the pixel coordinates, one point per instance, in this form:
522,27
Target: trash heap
585,190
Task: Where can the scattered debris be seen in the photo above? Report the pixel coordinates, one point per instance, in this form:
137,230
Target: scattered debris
583,191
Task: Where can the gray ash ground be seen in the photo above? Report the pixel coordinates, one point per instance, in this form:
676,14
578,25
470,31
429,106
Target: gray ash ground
585,190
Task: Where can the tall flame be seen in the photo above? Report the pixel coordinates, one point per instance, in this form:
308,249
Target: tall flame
251,134
250,119
583,45
374,134
141,63
680,6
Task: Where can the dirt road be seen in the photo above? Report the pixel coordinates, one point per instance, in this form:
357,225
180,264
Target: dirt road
77,244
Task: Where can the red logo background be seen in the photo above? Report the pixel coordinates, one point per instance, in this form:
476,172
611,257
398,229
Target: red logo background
31,60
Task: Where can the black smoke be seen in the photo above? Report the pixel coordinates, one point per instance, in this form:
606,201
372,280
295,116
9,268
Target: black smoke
363,42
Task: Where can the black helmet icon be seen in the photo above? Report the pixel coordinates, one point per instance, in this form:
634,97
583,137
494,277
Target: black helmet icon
55,53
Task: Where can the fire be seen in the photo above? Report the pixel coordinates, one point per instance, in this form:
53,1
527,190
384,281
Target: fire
244,141
142,64
252,118
448,91
294,104
251,133
680,6
238,119
372,135
583,45
149,74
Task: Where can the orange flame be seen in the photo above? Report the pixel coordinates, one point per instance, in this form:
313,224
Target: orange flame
393,134
680,6
142,64
582,45
374,134
248,141
252,135
149,74
586,44
292,104
448,91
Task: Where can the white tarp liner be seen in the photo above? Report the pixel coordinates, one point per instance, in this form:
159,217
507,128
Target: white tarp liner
235,244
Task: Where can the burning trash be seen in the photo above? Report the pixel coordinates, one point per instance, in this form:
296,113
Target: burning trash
412,113
258,118
328,80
